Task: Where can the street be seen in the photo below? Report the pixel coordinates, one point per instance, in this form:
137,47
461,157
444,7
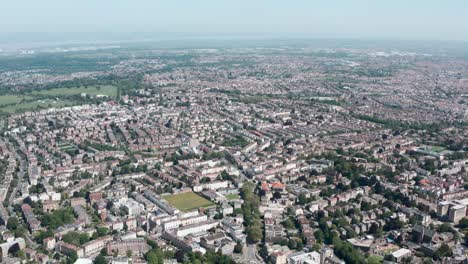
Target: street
249,255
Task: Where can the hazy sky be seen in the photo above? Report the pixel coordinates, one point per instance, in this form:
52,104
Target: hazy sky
399,19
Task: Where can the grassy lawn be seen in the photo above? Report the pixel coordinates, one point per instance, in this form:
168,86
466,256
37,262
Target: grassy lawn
187,201
20,103
12,99
436,149
237,141
232,196
65,146
33,105
375,259
108,90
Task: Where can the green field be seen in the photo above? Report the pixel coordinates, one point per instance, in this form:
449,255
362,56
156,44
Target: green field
436,149
65,146
232,196
108,90
34,105
187,201
57,98
12,99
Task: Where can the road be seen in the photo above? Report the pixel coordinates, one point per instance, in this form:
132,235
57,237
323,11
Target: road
250,256
11,200
20,174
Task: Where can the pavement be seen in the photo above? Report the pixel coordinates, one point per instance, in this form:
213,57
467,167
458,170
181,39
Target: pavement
20,177
250,256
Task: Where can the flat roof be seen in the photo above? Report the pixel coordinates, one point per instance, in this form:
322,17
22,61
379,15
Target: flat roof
401,252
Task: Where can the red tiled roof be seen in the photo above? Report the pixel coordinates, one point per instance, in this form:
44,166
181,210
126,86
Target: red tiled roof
277,185
265,186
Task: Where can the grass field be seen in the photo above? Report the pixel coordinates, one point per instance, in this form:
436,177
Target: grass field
232,196
108,90
33,105
65,146
187,201
12,99
20,103
436,149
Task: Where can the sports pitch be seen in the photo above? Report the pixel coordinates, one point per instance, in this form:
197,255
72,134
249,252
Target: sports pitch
187,201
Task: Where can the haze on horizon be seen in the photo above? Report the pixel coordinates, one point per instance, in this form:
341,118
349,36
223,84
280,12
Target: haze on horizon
356,19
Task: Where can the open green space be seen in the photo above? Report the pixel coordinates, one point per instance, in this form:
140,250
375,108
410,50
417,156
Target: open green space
53,98
12,99
187,201
106,90
237,141
436,149
65,145
432,148
232,196
35,105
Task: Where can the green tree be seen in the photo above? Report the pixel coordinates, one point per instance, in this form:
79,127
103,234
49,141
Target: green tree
100,259
292,243
12,223
238,248
41,235
20,254
251,213
374,260
289,224
152,258
319,236
463,223
58,218
346,251
254,232
443,251
302,199
75,238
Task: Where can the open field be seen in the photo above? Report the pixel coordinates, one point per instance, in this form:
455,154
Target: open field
12,99
65,146
187,201
232,196
436,149
34,105
18,103
107,90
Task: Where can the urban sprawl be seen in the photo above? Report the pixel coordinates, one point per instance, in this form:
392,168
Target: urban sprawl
235,155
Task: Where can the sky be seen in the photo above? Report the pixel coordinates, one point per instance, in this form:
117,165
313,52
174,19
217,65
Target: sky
367,19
